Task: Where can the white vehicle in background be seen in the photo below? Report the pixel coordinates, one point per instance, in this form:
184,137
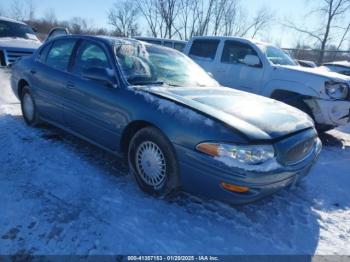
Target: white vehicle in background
341,67
17,39
306,63
176,44
267,70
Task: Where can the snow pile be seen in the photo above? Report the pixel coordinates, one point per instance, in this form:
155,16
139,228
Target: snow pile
6,94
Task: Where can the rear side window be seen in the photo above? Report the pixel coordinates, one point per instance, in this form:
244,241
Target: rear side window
154,42
204,49
168,44
235,52
59,55
90,55
179,46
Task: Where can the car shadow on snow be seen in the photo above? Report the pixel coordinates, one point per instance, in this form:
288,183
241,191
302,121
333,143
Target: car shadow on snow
285,223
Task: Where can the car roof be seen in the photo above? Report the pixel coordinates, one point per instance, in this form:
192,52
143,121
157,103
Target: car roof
239,39
110,40
7,19
160,39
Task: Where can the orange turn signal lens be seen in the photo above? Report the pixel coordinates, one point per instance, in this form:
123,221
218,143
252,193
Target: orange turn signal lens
208,148
234,188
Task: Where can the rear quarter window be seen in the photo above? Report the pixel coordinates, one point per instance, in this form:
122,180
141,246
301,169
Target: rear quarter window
204,49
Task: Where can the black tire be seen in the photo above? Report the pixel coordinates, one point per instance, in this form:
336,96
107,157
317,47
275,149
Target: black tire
33,119
152,136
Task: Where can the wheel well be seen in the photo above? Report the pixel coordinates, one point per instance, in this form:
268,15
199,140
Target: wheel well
285,96
129,132
22,83
293,99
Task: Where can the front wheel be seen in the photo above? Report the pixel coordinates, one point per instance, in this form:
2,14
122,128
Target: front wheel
153,162
28,106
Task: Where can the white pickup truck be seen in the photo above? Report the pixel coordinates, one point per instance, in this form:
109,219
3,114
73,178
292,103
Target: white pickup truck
16,40
264,69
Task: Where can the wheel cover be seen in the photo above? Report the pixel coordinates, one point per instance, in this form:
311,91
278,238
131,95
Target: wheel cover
28,107
150,164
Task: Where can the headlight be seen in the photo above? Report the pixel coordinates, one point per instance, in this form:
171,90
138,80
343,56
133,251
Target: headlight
242,154
336,90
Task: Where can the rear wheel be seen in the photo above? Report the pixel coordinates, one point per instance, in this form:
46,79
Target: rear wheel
152,160
28,106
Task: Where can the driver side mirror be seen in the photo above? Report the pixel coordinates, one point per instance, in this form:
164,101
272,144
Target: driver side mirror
251,60
100,75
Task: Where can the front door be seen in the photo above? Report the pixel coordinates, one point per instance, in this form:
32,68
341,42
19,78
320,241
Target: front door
91,107
231,70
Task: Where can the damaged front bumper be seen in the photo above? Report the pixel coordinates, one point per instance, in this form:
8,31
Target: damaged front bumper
330,112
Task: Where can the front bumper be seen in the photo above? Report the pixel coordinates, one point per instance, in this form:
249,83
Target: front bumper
330,112
203,175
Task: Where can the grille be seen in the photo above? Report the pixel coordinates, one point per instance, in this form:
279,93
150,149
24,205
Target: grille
13,55
2,58
296,148
300,151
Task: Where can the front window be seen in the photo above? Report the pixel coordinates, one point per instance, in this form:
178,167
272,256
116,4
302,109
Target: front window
149,64
277,56
88,56
16,30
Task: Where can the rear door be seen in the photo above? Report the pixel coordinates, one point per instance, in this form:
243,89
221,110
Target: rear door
49,76
91,107
232,72
203,52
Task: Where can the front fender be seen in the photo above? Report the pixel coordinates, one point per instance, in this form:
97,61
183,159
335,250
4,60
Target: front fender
290,86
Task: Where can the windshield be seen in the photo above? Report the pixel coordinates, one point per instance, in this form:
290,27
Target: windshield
10,29
144,64
277,56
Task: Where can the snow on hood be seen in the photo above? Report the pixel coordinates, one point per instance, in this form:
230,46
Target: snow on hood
7,42
255,116
317,71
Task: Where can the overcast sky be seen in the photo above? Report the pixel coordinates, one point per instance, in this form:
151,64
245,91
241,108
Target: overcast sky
96,11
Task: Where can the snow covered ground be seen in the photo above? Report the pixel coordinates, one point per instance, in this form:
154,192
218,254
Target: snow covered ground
60,195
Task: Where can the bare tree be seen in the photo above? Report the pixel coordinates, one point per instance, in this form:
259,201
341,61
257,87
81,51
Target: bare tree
257,24
50,17
343,37
329,11
123,17
149,10
79,25
168,10
22,10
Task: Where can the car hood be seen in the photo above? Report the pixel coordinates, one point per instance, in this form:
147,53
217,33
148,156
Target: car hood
256,117
19,43
317,72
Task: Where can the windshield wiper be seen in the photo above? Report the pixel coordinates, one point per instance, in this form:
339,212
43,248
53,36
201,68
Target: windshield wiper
141,83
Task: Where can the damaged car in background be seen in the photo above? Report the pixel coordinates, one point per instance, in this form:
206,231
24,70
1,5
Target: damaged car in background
176,127
16,40
341,67
264,69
